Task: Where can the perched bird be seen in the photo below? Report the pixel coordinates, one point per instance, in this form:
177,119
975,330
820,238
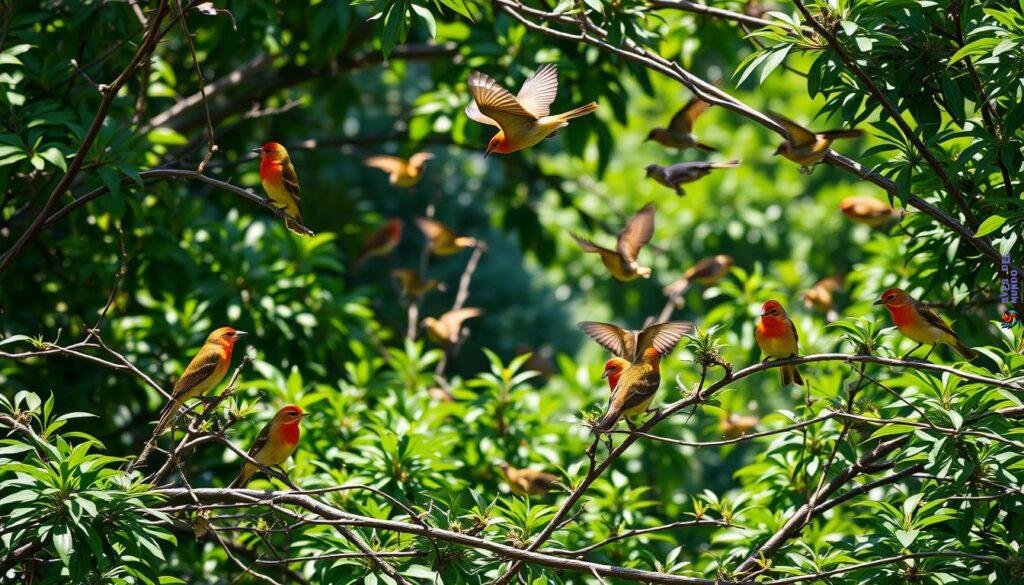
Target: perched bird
921,324
528,482
622,261
522,120
382,241
734,426
776,336
281,183
203,373
868,211
820,296
706,272
401,172
805,147
442,240
679,133
274,445
445,329
634,390
673,176
630,344
412,284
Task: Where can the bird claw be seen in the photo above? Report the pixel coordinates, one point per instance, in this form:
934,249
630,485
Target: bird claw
805,170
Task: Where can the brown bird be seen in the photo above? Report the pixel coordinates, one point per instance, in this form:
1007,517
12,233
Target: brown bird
412,284
528,482
734,426
674,176
636,387
806,147
381,242
622,261
630,344
401,172
445,329
820,296
679,133
868,211
442,240
706,272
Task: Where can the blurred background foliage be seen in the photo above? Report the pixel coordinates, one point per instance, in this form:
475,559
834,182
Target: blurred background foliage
314,76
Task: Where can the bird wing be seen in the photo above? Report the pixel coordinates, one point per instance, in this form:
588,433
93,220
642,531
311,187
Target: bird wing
634,387
539,91
495,102
933,318
704,268
376,240
589,246
637,233
684,118
420,158
388,164
291,181
615,339
453,319
199,369
662,337
792,327
474,113
260,442
798,135
687,171
434,230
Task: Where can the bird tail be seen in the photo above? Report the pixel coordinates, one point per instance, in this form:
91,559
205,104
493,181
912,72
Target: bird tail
294,225
580,111
965,352
725,164
704,147
842,133
790,375
244,477
167,417
608,421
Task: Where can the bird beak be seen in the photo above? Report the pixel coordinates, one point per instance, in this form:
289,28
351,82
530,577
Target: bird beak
257,150
605,374
241,333
304,415
878,302
487,152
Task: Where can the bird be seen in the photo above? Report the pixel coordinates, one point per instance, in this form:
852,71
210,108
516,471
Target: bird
776,336
203,373
734,426
382,241
613,369
630,344
441,239
522,120
820,296
401,172
281,184
868,211
921,324
622,261
706,272
411,283
679,133
274,445
806,147
673,176
445,330
634,390
528,482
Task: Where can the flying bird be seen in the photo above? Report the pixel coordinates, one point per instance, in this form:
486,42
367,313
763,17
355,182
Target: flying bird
921,324
622,261
381,242
706,272
868,211
734,426
274,445
441,239
820,296
281,183
679,133
203,373
630,344
776,336
445,330
411,283
674,176
528,482
522,120
401,172
805,147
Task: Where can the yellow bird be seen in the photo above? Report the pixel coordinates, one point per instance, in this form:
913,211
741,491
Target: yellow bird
868,211
441,239
411,283
523,119
528,482
445,330
622,261
401,172
679,133
806,147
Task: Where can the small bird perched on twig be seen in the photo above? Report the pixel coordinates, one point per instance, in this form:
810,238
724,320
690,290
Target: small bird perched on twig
679,133
674,176
776,336
441,239
274,445
806,147
622,261
921,324
528,482
401,172
281,183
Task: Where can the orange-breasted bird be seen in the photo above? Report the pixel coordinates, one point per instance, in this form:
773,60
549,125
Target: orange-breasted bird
679,133
820,296
274,445
630,344
622,261
776,336
674,176
706,272
806,147
868,211
522,120
411,283
921,324
382,241
441,239
528,482
203,373
613,368
281,183
445,330
634,390
401,172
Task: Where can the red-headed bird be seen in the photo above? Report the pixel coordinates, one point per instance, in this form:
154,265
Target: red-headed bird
634,390
274,445
777,338
281,183
203,373
921,324
381,242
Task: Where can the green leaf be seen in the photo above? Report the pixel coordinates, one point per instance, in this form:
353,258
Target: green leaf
63,543
458,6
990,225
427,17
